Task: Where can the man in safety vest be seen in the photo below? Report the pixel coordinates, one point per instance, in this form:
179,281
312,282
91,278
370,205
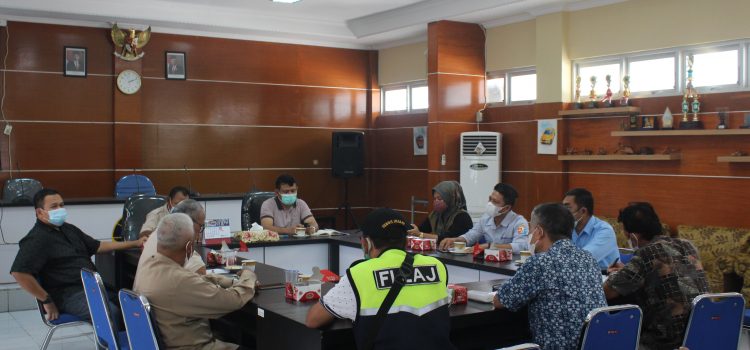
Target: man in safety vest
414,285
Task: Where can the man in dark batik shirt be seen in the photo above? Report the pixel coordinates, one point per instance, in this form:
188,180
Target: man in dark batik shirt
663,277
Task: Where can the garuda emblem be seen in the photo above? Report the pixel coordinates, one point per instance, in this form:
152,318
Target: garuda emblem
128,43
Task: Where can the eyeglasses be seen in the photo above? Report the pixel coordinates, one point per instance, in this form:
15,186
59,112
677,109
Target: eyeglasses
202,226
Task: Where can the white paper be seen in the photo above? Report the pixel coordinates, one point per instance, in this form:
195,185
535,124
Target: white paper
480,296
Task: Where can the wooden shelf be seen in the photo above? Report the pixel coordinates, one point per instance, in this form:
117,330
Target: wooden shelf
673,156
733,159
700,132
600,111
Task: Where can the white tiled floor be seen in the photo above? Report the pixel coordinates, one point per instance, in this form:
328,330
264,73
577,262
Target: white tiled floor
24,330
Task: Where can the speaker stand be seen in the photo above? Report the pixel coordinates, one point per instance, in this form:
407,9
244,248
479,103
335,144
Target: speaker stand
346,207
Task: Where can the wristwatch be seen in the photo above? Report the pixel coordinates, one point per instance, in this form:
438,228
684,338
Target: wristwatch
47,300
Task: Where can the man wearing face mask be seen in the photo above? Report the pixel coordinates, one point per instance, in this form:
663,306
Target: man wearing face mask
184,301
55,252
197,214
176,195
560,286
590,233
664,276
499,225
418,317
284,213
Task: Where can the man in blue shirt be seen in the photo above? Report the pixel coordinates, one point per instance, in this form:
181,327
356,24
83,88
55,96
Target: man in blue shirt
560,283
590,233
499,225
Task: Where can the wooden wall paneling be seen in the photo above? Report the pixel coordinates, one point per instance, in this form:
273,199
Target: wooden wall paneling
457,97
191,102
459,47
45,146
400,121
395,149
394,188
36,96
71,184
40,47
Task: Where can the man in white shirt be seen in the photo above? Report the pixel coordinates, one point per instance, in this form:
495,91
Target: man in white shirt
499,225
176,195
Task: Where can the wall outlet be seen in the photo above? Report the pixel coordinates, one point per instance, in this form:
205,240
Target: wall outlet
443,159
479,116
315,162
8,129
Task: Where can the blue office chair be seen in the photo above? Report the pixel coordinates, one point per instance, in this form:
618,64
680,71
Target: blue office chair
96,297
133,184
20,190
626,254
62,321
612,328
143,334
715,322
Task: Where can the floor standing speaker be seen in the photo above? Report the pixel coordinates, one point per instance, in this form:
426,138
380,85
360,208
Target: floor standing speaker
348,154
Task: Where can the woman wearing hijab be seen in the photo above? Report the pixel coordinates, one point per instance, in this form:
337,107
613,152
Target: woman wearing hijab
448,217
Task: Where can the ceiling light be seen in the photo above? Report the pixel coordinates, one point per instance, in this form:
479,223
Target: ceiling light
286,1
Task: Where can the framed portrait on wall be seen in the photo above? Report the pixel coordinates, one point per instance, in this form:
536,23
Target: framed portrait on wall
419,138
74,61
546,136
175,66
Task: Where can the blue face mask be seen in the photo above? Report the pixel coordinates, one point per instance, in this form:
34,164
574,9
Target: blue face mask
57,217
289,199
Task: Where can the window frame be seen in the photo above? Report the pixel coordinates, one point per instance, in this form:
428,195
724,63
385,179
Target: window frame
711,48
680,54
408,87
507,74
652,56
601,61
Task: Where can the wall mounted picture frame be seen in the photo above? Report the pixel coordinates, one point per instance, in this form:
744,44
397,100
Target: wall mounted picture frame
419,139
546,136
175,65
74,62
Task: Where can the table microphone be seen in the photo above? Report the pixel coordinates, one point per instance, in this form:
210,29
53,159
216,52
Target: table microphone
190,184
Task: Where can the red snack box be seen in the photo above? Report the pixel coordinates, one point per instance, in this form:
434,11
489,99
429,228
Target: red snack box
421,244
409,241
460,294
330,276
303,291
498,255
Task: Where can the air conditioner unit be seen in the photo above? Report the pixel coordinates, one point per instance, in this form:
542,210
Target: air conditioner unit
480,167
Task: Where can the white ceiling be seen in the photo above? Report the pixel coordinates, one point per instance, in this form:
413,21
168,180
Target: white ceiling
363,24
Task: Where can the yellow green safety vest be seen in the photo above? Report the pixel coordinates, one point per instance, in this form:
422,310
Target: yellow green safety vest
419,316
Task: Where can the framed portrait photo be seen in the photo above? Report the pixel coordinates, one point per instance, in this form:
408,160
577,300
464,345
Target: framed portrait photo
74,62
175,66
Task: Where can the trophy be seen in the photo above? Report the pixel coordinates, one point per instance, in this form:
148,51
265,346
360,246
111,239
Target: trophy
747,122
625,99
577,102
607,100
722,120
592,93
690,93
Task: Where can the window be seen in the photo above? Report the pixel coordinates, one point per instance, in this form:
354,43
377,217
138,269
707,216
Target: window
511,87
523,87
405,98
419,98
653,74
715,68
394,100
496,90
600,71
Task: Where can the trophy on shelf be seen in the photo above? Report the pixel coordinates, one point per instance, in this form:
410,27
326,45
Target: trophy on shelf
607,100
747,122
690,93
625,99
592,93
577,102
722,119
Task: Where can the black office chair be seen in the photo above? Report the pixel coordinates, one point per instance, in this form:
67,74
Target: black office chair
251,203
20,190
134,213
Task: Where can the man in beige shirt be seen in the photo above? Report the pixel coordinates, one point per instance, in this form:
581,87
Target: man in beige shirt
183,301
197,214
176,195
